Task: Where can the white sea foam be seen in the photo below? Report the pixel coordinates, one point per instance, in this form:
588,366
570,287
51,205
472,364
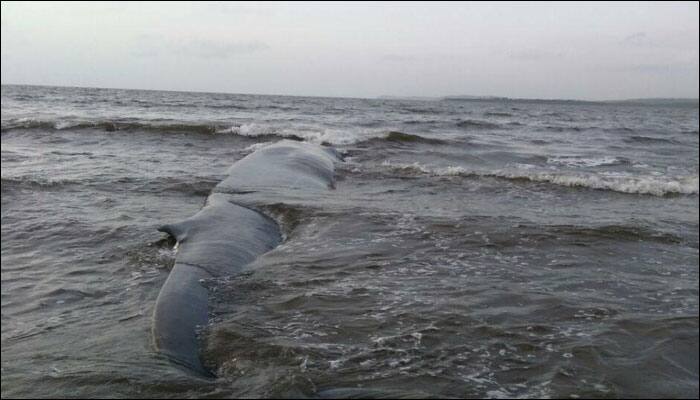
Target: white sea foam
655,185
424,169
574,161
307,133
658,185
59,125
257,146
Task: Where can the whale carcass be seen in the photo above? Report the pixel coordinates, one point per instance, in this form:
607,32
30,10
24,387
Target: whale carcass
226,235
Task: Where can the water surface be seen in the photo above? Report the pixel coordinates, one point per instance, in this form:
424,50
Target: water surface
469,249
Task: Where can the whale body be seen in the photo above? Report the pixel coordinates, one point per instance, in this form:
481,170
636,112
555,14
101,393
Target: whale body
226,235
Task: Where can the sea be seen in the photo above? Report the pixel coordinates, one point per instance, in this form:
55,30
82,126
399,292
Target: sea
471,248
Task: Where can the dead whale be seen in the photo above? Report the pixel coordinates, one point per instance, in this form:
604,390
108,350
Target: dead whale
225,236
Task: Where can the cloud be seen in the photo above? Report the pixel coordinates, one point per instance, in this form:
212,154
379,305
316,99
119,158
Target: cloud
218,49
146,46
638,39
398,57
670,40
233,8
650,68
534,55
661,68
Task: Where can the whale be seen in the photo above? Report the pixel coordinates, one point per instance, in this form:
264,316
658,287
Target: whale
228,234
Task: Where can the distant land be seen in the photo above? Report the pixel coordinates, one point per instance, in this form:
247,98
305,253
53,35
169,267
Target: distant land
644,101
659,101
667,101
419,98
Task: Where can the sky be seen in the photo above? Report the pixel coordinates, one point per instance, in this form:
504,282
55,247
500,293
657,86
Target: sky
593,51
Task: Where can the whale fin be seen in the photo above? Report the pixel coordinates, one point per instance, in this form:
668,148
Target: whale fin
177,230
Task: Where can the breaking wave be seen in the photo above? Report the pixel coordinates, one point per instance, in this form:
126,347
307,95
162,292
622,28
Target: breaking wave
270,131
35,182
652,185
575,161
256,130
107,125
299,133
327,136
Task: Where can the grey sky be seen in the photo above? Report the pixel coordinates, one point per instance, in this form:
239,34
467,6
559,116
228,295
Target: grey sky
577,51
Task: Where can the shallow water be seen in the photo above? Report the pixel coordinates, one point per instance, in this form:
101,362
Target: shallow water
469,249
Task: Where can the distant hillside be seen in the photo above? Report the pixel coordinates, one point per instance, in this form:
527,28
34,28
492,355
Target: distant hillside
416,98
519,100
677,102
475,98
658,102
661,101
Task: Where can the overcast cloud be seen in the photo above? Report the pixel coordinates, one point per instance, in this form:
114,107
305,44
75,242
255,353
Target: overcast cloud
542,50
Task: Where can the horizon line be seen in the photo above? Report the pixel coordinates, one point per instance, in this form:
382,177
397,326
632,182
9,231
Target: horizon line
378,97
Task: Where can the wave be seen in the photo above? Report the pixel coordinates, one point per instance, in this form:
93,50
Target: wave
418,168
192,186
620,232
651,185
477,124
497,114
649,140
420,110
34,182
554,128
107,125
327,136
252,130
229,107
298,133
400,138
395,136
420,121
575,161
260,131
248,130
188,185
619,130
